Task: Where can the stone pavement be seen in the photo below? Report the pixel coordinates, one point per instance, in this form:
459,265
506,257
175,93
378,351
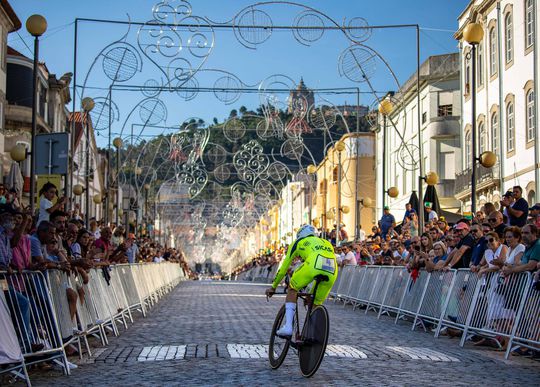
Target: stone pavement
215,333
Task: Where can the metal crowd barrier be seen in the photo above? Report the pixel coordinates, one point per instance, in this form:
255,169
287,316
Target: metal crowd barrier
258,274
490,305
52,310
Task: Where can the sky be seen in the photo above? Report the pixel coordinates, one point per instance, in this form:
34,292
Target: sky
278,62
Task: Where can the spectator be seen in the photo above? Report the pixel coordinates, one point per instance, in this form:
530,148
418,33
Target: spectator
496,221
488,209
94,229
411,224
426,243
516,249
479,217
361,234
133,250
408,211
439,249
534,215
375,232
348,258
431,215
480,244
494,256
387,221
80,247
531,256
517,209
460,257
46,207
3,194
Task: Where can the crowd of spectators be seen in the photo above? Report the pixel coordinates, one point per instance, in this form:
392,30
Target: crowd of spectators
55,239
504,240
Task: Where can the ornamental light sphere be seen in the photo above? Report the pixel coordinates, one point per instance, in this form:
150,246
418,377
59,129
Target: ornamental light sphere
345,209
432,178
311,169
340,146
367,202
393,192
488,159
97,198
473,33
36,25
330,215
117,142
138,171
18,152
78,189
386,106
88,104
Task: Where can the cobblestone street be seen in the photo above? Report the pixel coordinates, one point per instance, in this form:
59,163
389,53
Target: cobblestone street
215,333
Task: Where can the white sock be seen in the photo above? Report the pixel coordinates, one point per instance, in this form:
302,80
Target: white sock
290,308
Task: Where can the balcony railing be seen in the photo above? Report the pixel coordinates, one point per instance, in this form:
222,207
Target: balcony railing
484,177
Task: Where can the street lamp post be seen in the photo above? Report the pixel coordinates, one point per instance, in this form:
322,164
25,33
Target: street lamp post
311,170
473,34
386,106
87,104
340,147
36,25
117,142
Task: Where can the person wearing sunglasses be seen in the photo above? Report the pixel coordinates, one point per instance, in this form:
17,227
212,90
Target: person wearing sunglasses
494,256
496,221
460,257
480,247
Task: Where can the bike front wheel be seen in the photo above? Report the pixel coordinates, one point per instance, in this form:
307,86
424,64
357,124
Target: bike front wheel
315,337
278,347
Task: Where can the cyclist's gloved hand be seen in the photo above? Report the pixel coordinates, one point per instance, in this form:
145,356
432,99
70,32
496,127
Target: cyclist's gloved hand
270,292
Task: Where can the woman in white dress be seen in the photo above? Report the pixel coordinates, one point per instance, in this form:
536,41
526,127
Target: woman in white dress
495,257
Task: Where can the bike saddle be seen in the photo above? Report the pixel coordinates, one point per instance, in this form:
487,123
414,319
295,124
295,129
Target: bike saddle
321,278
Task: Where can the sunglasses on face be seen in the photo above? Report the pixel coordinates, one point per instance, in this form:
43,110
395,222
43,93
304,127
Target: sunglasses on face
492,220
491,240
475,231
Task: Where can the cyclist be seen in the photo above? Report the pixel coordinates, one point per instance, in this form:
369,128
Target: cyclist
317,257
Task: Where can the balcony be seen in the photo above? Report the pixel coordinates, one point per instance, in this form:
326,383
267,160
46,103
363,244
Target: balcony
447,126
486,177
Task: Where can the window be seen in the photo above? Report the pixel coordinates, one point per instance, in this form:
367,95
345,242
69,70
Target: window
509,38
467,79
322,187
444,110
529,24
424,117
495,133
468,150
335,174
483,137
492,51
530,115
510,127
480,64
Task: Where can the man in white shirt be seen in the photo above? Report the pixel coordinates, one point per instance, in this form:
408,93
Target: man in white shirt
349,258
432,215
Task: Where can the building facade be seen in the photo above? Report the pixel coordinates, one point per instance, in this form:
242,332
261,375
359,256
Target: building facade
356,183
398,141
9,22
506,102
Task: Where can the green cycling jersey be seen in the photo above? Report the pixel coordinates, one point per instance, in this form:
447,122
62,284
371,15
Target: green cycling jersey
316,253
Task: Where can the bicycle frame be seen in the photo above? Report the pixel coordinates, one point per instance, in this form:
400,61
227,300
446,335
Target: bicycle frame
308,299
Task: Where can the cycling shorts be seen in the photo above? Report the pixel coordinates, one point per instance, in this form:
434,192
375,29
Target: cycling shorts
306,273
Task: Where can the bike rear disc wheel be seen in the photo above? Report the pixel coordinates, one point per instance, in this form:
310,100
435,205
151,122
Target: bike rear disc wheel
315,336
278,347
